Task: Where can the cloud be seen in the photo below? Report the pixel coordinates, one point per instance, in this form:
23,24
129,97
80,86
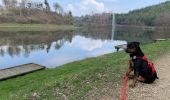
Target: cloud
109,0
86,44
92,5
70,7
90,45
87,7
60,60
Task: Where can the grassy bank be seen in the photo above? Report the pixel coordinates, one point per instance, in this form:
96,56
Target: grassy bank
35,27
75,80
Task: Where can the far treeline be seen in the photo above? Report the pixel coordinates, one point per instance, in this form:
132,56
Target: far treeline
156,15
103,19
29,11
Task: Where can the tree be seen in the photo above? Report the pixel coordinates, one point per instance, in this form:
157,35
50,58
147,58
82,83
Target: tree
70,14
10,3
58,8
47,5
6,3
13,3
69,18
162,20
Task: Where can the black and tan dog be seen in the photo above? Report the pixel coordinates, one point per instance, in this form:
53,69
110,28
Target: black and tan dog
143,70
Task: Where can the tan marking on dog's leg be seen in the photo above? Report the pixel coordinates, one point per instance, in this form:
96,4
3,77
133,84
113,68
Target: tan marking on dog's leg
140,78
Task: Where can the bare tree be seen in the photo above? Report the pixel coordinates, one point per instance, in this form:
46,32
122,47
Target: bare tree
13,3
10,3
6,3
58,8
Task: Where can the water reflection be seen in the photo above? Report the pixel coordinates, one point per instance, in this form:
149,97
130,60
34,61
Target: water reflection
23,43
54,48
143,35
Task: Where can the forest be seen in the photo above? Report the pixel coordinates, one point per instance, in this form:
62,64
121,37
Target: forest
155,15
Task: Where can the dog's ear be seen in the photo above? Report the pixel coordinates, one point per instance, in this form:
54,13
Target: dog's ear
137,44
133,45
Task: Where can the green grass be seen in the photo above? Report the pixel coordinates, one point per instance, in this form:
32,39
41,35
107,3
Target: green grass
75,79
34,27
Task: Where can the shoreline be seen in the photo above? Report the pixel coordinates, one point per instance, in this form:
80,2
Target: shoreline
35,27
143,26
91,78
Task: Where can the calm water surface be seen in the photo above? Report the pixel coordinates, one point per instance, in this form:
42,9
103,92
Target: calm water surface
53,49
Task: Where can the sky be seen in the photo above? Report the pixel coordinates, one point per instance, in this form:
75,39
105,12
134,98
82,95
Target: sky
83,7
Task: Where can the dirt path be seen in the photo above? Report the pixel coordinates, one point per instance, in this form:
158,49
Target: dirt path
160,89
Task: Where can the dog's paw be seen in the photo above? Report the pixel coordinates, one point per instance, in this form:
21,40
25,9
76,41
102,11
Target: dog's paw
131,76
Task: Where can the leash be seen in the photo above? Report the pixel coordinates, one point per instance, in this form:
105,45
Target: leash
124,88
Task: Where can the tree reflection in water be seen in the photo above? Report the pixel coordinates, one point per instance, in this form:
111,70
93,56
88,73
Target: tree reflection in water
18,43
15,44
57,48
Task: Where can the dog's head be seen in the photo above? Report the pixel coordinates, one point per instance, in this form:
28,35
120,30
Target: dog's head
132,47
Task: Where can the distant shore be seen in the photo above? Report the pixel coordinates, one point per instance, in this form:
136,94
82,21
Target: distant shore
143,26
137,26
35,27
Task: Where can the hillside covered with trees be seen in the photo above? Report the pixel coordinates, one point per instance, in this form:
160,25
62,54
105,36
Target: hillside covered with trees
156,15
28,11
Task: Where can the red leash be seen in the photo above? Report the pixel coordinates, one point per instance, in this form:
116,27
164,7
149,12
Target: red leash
124,88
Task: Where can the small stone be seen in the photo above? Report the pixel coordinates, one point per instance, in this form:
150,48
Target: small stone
35,95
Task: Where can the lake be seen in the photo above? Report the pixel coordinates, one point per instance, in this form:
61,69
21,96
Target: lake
52,49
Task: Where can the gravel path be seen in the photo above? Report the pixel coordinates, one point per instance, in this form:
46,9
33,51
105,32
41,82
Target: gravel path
160,89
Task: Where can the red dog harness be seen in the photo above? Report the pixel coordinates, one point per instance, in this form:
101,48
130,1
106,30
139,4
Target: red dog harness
150,64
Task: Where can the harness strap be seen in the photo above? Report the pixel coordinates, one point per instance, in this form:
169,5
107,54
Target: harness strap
143,58
150,64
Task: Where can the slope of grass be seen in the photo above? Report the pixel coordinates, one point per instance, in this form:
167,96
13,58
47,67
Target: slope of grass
35,27
75,80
